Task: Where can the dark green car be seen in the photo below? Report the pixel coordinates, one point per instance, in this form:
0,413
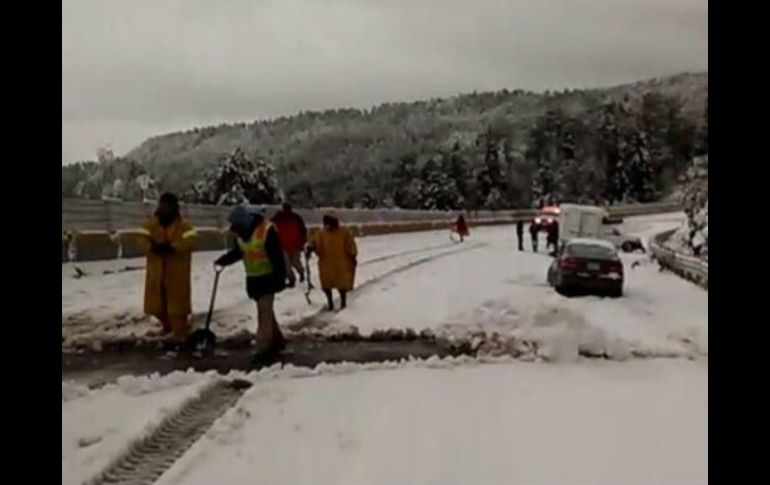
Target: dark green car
587,266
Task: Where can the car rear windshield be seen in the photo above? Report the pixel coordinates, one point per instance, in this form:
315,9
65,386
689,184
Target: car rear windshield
590,251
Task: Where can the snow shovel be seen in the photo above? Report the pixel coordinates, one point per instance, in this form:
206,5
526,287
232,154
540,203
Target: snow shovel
203,339
307,276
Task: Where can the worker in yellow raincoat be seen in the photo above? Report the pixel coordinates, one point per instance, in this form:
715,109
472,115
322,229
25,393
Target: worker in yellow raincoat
337,253
168,240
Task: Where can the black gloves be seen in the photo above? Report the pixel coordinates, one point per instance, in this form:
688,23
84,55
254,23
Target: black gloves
162,248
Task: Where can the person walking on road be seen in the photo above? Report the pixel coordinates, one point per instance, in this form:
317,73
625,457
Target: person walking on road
533,230
168,238
520,234
461,227
292,233
337,259
552,240
259,247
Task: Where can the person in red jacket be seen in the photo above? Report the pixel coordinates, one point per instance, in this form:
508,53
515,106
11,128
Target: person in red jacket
461,227
293,236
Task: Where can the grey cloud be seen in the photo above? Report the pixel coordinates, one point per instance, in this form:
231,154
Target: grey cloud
132,68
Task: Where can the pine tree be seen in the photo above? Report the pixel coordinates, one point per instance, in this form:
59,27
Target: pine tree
641,186
491,178
611,146
407,183
437,190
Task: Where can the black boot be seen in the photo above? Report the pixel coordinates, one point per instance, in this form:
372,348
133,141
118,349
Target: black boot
329,300
343,299
264,358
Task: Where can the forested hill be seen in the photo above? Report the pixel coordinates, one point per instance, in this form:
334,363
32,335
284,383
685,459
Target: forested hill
493,149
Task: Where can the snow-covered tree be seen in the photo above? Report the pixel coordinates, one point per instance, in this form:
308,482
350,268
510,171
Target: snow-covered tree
236,179
692,236
437,190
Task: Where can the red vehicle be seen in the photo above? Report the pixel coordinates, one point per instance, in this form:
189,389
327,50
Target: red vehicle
548,215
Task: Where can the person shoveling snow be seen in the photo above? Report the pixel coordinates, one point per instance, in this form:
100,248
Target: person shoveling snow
260,250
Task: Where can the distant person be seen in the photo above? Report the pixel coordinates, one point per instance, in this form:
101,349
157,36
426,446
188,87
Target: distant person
461,227
337,259
533,230
168,240
292,233
259,247
520,234
552,239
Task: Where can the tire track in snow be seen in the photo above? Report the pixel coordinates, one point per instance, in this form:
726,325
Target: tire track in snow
404,253
317,320
150,457
199,317
75,322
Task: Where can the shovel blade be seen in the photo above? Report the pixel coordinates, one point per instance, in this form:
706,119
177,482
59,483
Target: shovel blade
202,340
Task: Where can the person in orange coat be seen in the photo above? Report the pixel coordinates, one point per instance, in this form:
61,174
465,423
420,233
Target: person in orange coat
168,240
337,253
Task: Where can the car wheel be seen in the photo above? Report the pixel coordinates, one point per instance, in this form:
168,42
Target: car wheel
616,293
627,247
561,289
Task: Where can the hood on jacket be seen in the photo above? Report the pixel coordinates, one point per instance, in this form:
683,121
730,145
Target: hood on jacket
243,223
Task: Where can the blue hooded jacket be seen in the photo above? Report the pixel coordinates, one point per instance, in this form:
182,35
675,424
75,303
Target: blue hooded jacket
243,223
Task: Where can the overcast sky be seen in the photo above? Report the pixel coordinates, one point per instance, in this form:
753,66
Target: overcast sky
138,68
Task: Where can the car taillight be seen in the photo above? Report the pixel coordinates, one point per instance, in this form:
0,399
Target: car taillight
613,267
569,263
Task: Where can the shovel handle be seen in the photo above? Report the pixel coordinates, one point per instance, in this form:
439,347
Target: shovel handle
217,272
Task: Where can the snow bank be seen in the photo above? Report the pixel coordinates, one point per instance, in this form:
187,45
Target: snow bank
640,422
99,425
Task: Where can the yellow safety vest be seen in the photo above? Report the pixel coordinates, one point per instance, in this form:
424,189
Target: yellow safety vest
255,259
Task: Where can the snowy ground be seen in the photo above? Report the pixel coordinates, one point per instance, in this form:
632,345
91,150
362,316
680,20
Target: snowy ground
99,425
491,420
498,289
102,306
597,422
484,285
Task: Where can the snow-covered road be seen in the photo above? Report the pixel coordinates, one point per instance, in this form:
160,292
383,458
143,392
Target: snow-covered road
457,420
643,422
103,306
422,280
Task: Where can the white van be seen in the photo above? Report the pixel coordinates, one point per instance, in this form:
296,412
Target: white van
580,221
